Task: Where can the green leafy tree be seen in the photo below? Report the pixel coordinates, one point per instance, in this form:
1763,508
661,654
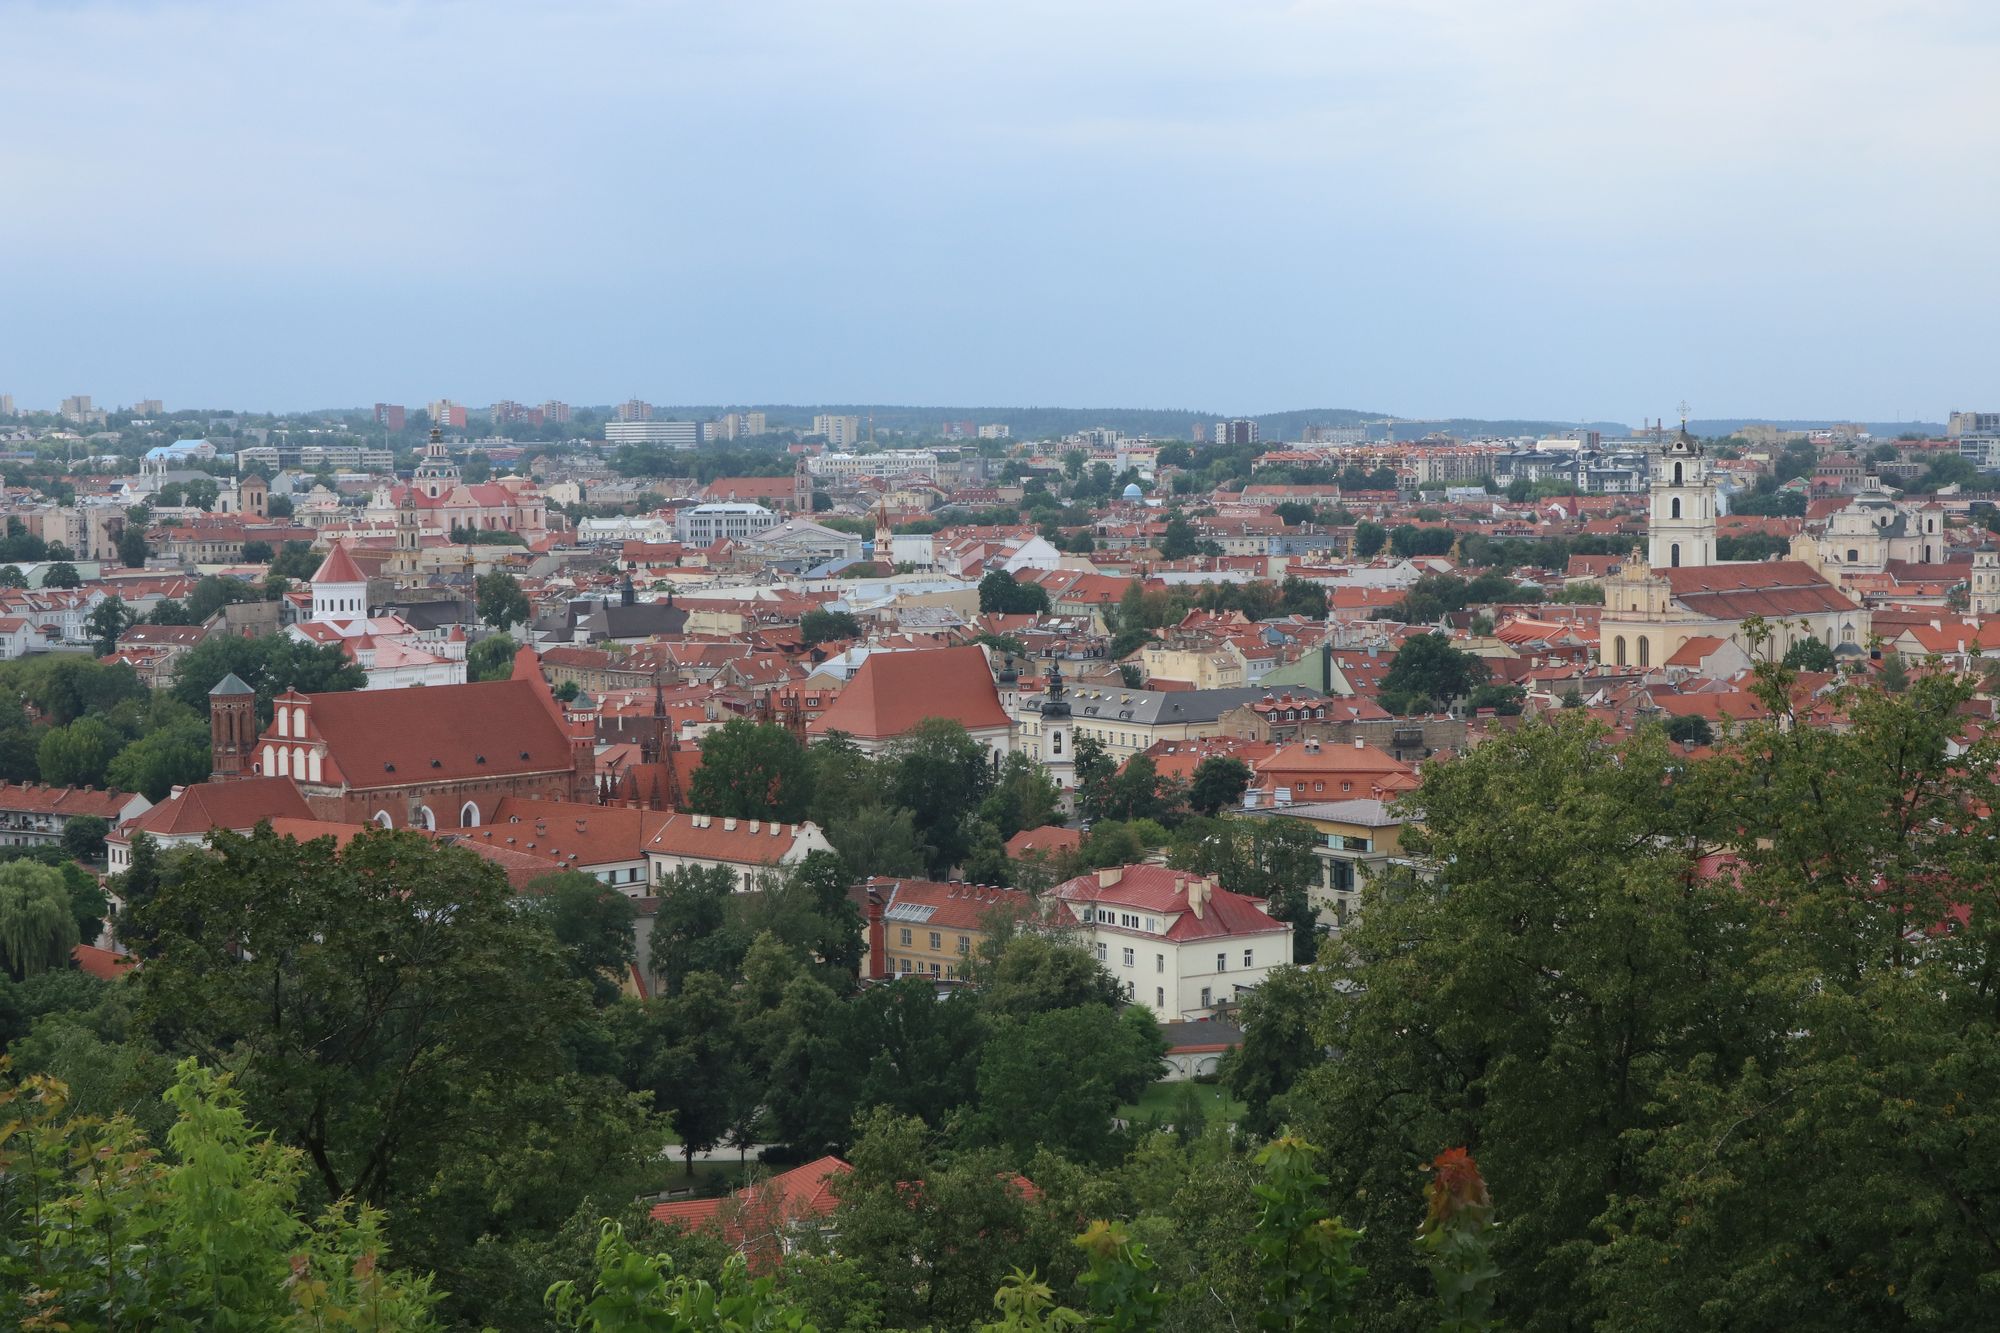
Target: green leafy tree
751,770
1809,654
162,759
501,602
213,1234
492,658
878,840
62,574
593,923
1278,1046
1550,950
1054,1079
940,774
76,754
396,1018
630,1291
83,836
1219,781
1691,729
37,927
692,927
1023,797
1000,592
270,664
1428,673
1369,539
106,621
690,1063
818,626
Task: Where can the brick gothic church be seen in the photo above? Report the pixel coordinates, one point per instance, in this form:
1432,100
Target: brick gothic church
431,756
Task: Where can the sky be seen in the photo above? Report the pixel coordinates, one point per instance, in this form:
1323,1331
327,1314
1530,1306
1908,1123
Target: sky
1560,209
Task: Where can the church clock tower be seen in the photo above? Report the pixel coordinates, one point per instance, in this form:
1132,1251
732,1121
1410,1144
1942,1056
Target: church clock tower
1058,746
1681,525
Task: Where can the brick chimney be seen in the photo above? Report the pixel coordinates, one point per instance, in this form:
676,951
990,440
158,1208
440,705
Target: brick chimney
878,959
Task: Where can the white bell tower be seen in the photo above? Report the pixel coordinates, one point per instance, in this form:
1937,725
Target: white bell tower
1058,732
1680,527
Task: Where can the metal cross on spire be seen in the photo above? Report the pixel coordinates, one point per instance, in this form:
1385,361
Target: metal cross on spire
1684,414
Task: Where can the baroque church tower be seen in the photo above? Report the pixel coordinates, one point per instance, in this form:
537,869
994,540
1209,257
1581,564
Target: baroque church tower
1681,525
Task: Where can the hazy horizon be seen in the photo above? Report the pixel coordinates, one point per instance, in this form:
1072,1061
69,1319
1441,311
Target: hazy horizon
1551,212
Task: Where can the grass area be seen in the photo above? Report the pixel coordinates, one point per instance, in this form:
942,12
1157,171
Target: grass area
1163,1099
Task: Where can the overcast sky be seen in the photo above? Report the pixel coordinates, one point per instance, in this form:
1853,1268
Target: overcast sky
1541,207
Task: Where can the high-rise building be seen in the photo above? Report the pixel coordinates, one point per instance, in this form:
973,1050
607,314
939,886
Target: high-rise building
1972,423
447,415
632,409
390,416
6,404
555,412
1241,430
77,407
507,410
148,407
840,432
753,424
673,434
995,432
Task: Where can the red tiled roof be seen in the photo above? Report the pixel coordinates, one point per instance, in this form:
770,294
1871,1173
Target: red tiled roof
944,906
101,963
435,733
893,692
1769,588
1044,840
338,567
1162,891
238,806
713,838
37,798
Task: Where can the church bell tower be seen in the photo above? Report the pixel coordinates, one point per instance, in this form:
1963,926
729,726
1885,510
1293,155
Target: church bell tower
1680,526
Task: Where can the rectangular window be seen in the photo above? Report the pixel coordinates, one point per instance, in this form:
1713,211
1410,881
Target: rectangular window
937,940
1246,959
964,944
1128,958
906,936
1159,997
905,965
1131,991
1204,997
1159,962
1221,961
936,970
1152,924
1100,951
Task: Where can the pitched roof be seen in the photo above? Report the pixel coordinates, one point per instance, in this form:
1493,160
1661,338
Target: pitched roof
946,906
238,806
1162,891
1766,588
737,841
435,733
338,567
893,692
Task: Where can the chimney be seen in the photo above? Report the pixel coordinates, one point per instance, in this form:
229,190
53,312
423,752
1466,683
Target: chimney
753,826
1109,875
1360,744
728,825
878,961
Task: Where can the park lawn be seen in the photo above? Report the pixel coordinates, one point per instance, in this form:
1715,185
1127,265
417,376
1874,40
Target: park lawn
1161,1099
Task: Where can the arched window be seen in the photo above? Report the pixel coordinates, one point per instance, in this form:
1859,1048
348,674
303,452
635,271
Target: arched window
468,815
1673,558
1055,742
1618,650
1676,507
284,722
1677,474
299,722
381,818
426,820
285,761
312,766
1645,651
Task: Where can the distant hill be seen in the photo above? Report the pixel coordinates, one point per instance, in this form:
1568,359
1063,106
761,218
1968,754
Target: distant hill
1888,429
